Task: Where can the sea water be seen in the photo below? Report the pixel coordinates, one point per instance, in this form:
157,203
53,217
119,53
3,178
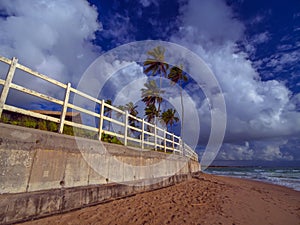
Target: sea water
289,177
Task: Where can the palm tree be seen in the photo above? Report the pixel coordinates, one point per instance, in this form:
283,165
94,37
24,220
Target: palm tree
131,108
120,115
156,63
108,112
151,112
169,117
151,95
176,75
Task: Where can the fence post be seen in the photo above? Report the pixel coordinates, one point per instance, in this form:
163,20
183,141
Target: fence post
101,120
165,140
180,146
64,109
173,144
8,80
126,128
143,127
155,138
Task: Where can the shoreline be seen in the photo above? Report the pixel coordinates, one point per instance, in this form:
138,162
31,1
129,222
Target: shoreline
282,176
205,199
254,180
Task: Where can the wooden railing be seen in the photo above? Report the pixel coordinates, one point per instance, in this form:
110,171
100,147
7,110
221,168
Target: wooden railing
147,135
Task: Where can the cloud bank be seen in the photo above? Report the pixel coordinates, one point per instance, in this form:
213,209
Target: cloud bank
52,37
256,109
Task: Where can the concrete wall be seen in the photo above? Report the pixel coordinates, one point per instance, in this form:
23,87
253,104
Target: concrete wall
32,205
33,162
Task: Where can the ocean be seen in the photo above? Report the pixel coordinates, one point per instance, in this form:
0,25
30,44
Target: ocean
288,177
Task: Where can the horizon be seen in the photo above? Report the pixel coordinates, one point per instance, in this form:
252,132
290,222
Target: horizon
258,163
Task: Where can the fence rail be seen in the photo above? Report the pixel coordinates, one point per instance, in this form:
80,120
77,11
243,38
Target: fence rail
152,137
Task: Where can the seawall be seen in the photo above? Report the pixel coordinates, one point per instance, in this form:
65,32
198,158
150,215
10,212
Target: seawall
44,173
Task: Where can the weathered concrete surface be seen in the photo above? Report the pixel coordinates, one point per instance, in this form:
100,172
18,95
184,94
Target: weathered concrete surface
32,205
32,160
43,172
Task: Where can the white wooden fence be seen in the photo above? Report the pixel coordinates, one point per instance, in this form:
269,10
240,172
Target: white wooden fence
157,139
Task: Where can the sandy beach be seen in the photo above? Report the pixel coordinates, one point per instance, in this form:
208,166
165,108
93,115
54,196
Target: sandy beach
206,199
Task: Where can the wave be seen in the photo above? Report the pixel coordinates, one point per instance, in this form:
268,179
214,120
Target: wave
288,177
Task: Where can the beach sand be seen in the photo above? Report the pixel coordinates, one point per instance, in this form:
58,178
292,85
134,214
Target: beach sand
206,199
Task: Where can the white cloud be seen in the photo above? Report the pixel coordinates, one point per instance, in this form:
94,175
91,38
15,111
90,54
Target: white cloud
272,150
118,29
261,17
147,3
286,57
255,108
210,20
251,43
284,47
236,152
52,37
282,60
268,150
271,153
257,19
261,38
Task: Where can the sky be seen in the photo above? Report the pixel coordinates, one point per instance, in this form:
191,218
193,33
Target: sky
251,46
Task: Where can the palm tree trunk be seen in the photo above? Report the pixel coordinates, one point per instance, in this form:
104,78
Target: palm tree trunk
158,108
109,126
182,115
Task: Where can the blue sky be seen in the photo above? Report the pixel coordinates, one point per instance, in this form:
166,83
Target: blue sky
251,46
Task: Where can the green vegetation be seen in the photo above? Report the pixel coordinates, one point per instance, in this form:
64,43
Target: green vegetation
51,126
108,112
110,139
42,125
20,120
155,65
131,108
31,122
169,118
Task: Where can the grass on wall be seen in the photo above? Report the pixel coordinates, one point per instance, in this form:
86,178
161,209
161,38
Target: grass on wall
31,122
